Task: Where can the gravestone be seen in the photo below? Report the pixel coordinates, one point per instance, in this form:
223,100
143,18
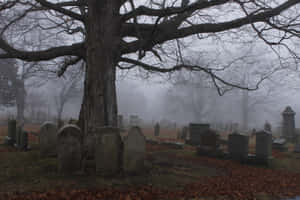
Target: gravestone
134,151
238,146
156,130
279,144
18,136
12,131
263,145
297,148
48,139
288,126
267,127
209,139
184,133
69,149
195,132
108,151
24,141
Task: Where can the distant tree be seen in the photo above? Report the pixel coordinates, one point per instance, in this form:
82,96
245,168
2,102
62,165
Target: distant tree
8,83
68,89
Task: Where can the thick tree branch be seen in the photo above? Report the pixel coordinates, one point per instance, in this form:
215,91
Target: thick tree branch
58,8
165,33
77,49
142,10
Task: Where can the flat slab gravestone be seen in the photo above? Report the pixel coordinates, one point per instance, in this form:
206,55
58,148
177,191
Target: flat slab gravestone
69,149
108,151
134,151
48,139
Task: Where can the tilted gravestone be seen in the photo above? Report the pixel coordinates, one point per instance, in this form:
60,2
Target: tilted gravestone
48,139
108,151
238,146
263,145
156,129
69,149
12,130
134,151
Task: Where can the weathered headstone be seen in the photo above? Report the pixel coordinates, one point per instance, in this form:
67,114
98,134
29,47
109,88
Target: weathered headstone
134,151
108,151
12,130
195,132
288,128
156,130
263,145
238,146
69,149
48,139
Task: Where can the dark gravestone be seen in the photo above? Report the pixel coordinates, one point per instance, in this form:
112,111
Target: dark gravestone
263,145
134,151
195,132
69,149
24,141
238,146
288,128
297,148
108,151
12,130
18,136
156,130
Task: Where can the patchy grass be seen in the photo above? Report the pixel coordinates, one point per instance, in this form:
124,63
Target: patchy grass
27,171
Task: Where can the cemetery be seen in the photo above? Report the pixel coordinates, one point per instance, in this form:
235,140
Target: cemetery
149,99
146,163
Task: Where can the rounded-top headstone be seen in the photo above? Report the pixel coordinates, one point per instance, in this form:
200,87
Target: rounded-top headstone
69,149
48,139
134,151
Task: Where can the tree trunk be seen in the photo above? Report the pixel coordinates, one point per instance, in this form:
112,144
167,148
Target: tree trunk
99,107
20,99
245,109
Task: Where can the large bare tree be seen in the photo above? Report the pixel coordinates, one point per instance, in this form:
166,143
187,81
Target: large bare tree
107,34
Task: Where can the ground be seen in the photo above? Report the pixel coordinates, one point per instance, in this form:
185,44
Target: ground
169,174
